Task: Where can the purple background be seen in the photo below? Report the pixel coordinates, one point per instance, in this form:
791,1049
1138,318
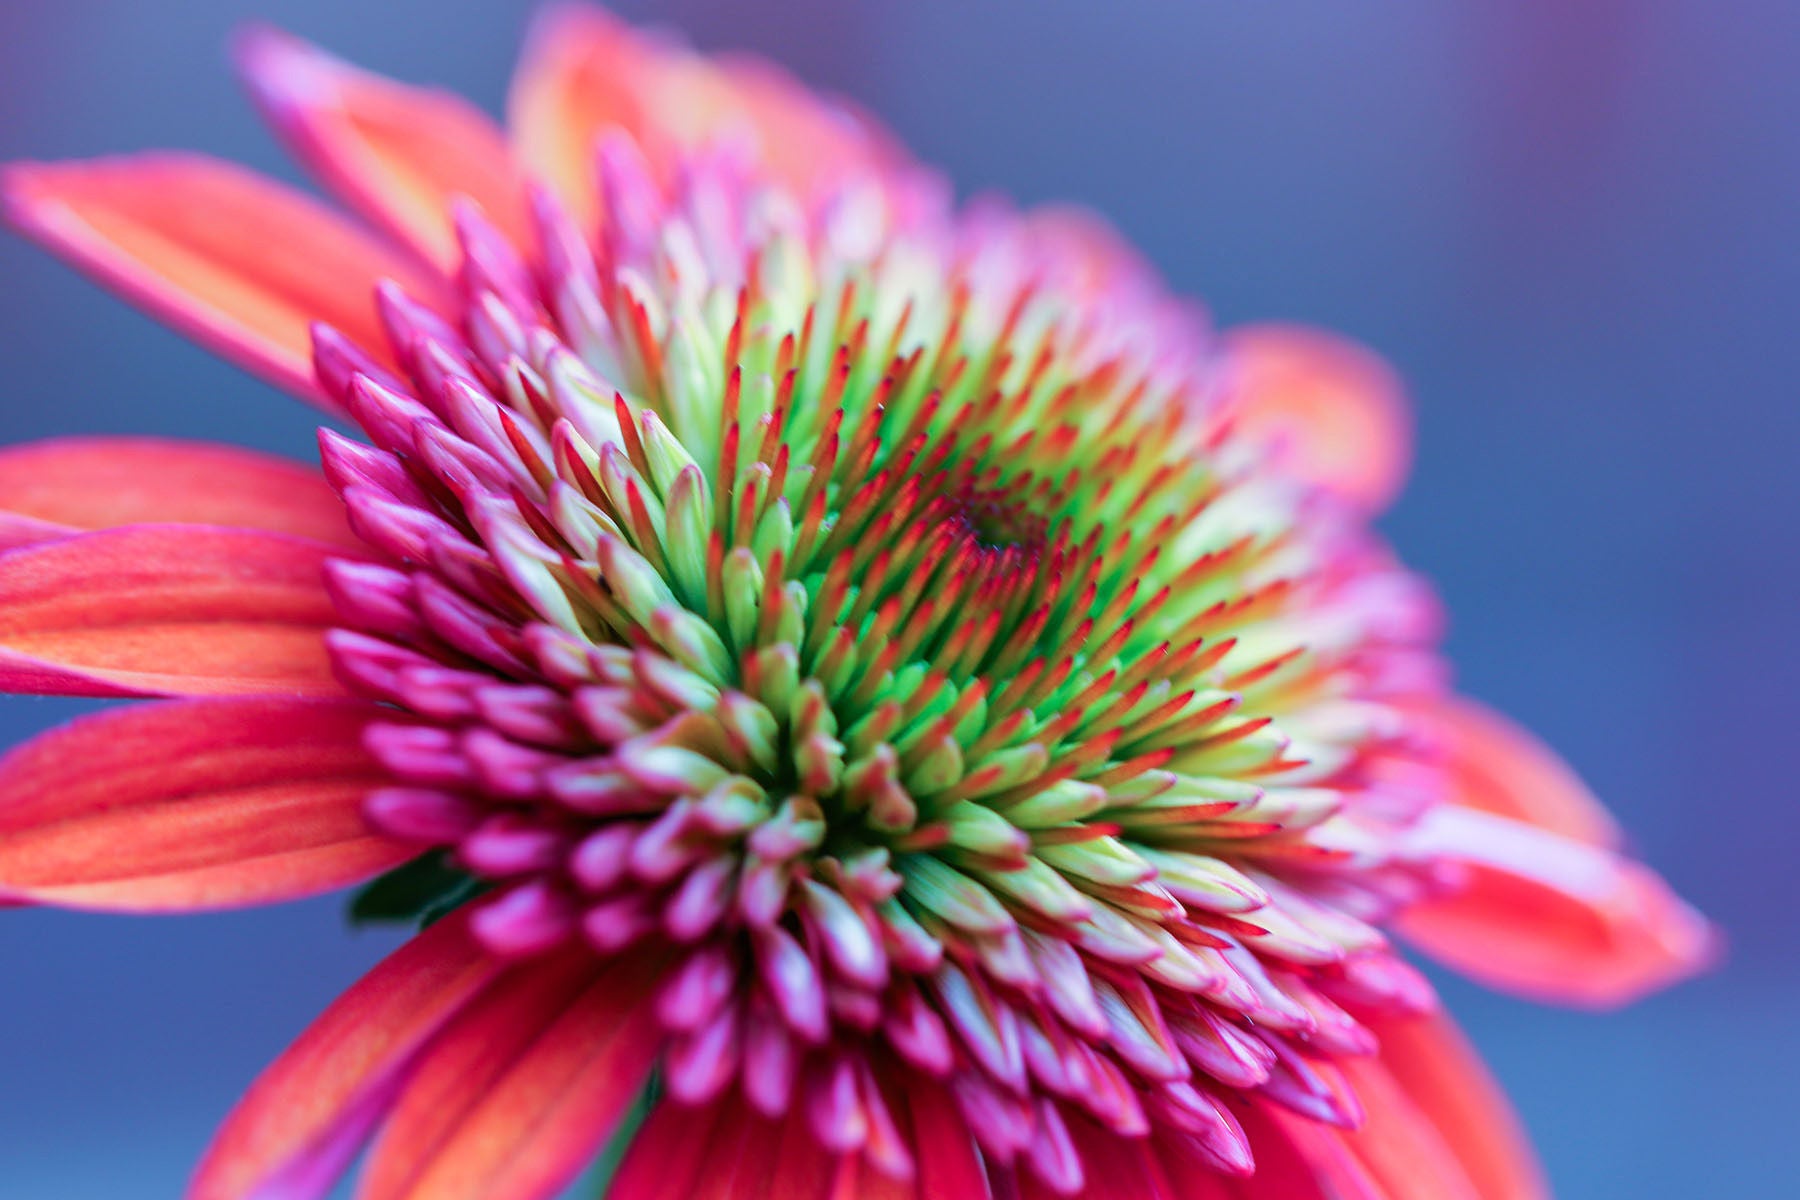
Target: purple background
1574,226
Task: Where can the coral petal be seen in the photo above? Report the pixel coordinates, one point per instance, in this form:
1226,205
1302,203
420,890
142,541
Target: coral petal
192,804
1336,412
78,483
398,153
302,1121
1498,767
241,263
166,609
1398,1144
524,1087
669,1155
1551,917
581,74
585,73
1433,1064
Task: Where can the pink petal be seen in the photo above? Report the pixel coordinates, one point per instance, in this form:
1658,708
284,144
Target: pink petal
399,154
519,1093
166,609
1398,1144
1551,917
669,1154
76,483
240,263
584,73
192,804
1336,413
1498,767
298,1126
1433,1064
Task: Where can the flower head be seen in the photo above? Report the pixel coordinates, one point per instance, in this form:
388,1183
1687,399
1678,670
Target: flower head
885,670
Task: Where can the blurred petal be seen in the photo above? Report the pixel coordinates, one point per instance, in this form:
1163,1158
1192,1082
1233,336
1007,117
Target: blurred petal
1297,1158
1397,1144
518,1094
240,263
192,804
1498,767
299,1125
166,609
1433,1064
77,483
943,1150
1336,413
670,1152
583,73
399,154
1550,917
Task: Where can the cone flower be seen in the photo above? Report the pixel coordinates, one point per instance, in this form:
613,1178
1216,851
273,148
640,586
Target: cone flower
880,680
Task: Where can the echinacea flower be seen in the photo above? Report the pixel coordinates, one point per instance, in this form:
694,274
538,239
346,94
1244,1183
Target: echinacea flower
879,680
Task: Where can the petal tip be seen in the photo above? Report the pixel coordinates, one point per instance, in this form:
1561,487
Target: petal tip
1336,410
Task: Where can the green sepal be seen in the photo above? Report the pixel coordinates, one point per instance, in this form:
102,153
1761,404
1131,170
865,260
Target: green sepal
423,890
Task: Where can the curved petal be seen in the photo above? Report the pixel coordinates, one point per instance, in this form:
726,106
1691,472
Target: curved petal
584,72
70,484
1297,1158
1335,412
192,804
1498,767
669,1154
299,1125
942,1147
166,610
399,154
240,263
1440,1074
1398,1144
1551,917
519,1093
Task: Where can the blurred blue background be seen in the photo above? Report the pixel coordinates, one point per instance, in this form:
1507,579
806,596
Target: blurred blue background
1574,226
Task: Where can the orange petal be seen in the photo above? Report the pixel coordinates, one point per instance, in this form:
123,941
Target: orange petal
77,483
1497,767
240,263
399,154
166,609
1431,1062
519,1093
1335,412
1551,917
192,804
307,1115
584,73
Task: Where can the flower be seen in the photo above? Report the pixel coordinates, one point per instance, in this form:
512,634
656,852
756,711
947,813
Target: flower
880,679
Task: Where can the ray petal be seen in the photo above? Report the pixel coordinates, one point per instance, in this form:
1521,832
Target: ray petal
192,804
524,1088
166,610
1550,917
1431,1061
400,154
1335,412
240,263
77,483
302,1121
1498,767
